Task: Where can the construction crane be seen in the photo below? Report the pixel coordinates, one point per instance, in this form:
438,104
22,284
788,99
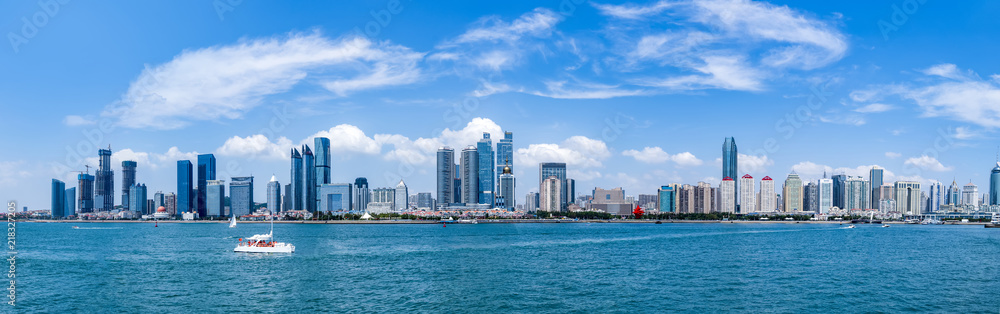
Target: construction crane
83,172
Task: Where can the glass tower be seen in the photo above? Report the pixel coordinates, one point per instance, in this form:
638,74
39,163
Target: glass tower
241,196
322,169
58,199
206,172
486,170
104,194
361,196
445,175
184,186
470,176
505,154
86,199
309,185
995,185
128,180
273,195
296,176
875,182
730,164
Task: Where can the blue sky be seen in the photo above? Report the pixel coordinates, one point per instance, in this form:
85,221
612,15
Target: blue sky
631,94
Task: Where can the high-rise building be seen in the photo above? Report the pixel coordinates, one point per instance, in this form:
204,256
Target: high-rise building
215,198
611,201
570,186
322,169
728,195
470,176
730,163
907,197
240,196
274,195
825,195
309,176
486,171
995,185
810,197
445,176
58,199
506,189
505,156
667,199
457,184
137,200
875,182
286,198
86,189
335,197
402,192
185,186
382,200
970,195
838,190
297,182
170,202
425,201
551,189
361,195
104,186
531,202
954,194
857,193
768,198
557,169
128,180
934,198
792,194
206,172
704,198
748,199
158,200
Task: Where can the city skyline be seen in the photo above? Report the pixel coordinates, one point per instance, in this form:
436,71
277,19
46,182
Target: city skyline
858,96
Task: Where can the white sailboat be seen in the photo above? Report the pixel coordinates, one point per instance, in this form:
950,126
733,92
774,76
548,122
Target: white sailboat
232,222
263,243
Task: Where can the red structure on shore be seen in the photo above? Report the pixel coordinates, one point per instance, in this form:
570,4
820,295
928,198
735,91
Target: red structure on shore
638,212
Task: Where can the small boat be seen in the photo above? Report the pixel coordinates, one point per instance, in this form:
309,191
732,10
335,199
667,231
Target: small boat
76,227
467,221
659,222
232,222
885,225
995,222
264,243
851,227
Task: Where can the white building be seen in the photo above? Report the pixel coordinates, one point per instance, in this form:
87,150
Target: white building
825,195
274,195
401,203
908,197
748,199
768,199
550,195
727,194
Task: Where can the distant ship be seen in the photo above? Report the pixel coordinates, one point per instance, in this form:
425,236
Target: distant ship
995,222
467,221
264,243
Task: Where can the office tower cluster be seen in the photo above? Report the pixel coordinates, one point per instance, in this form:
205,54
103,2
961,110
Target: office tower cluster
481,177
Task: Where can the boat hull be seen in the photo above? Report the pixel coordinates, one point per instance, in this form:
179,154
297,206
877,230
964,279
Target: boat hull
992,226
268,249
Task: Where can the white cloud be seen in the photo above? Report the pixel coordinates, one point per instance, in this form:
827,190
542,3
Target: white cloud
893,155
874,108
256,147
964,133
72,120
576,151
631,11
537,23
346,138
558,90
423,150
12,172
654,155
224,82
722,72
927,163
811,171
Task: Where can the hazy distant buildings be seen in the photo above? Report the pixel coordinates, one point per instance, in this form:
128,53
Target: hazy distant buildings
445,176
185,187
382,200
104,186
970,195
137,200
792,193
241,196
531,202
206,172
425,201
215,198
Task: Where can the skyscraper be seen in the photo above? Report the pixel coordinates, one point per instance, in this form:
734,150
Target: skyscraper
874,182
505,155
185,181
70,195
445,175
506,190
322,170
810,197
908,197
954,194
768,198
58,199
401,197
487,185
857,193
241,196
934,196
206,172
286,198
531,202
970,194
309,180
335,198
297,181
170,202
273,195
730,163
104,186
838,190
666,199
570,186
550,191
128,180
728,195
995,185
792,193
470,176
86,189
215,198
748,201
137,200
557,169
457,185
361,195
825,195
425,201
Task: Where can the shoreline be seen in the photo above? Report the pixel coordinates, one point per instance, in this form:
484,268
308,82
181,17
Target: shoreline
481,221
